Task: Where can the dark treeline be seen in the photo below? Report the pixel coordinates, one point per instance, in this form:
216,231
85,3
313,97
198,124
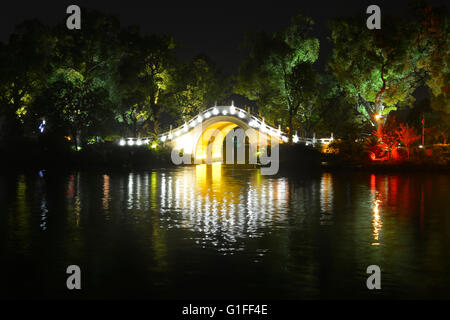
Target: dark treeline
98,82
74,87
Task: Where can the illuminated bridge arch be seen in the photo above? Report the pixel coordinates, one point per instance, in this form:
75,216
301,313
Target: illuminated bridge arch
210,127
202,137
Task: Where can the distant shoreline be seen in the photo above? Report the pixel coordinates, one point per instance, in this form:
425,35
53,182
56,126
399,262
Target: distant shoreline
295,159
388,167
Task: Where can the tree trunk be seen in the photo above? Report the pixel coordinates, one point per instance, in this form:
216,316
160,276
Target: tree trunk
135,131
290,126
75,138
378,99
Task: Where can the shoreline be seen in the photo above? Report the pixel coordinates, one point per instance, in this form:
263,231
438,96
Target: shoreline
332,168
110,158
388,167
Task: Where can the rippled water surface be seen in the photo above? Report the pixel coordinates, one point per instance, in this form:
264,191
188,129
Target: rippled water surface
221,232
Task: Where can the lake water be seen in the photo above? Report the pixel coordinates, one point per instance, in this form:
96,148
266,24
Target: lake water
222,232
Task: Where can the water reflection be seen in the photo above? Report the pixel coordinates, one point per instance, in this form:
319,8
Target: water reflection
223,208
315,234
376,222
220,209
376,198
43,201
44,210
106,193
21,222
73,195
326,199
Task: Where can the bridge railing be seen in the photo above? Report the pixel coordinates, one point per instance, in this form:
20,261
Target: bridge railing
253,121
232,110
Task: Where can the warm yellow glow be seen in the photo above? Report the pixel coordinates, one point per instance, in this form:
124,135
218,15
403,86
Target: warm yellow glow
326,190
326,199
204,205
216,172
200,174
211,140
106,197
205,143
377,116
154,185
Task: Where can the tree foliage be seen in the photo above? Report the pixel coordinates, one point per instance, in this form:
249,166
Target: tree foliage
145,76
377,68
278,73
198,85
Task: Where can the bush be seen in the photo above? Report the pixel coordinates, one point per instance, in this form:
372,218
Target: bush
350,150
299,156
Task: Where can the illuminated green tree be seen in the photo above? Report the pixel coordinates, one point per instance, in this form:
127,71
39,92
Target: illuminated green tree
197,85
277,73
24,63
336,114
145,77
73,105
81,81
376,68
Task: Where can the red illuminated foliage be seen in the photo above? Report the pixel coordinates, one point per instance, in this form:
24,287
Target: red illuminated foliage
407,136
387,137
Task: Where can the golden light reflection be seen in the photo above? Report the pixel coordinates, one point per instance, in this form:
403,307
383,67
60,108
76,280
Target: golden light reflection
154,185
216,172
377,224
218,208
200,174
376,199
326,199
106,190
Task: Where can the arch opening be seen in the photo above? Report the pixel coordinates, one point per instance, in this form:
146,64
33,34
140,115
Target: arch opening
213,140
209,147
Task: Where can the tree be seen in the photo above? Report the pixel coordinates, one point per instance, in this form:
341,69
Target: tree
438,126
376,68
24,62
407,135
337,114
387,136
72,105
197,85
277,73
145,77
80,88
431,45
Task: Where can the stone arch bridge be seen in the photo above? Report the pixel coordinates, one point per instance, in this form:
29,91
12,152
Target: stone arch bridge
203,136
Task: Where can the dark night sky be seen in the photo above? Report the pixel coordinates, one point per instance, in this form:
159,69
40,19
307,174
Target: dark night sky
212,27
